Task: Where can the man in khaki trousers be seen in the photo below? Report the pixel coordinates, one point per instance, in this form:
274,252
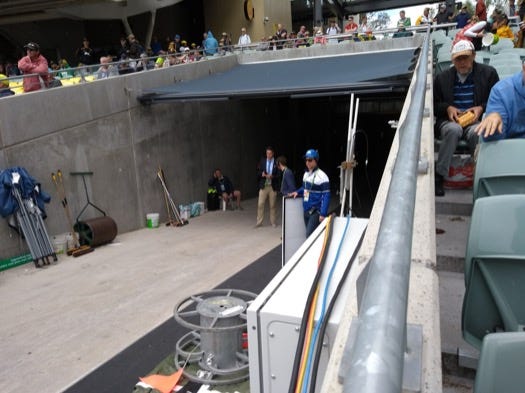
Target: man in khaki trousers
268,179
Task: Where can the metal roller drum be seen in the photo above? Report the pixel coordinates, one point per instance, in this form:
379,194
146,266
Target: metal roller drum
96,231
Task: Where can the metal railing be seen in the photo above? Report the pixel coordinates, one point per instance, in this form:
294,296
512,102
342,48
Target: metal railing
88,73
377,354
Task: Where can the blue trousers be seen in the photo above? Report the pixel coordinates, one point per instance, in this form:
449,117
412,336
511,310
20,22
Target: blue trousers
311,221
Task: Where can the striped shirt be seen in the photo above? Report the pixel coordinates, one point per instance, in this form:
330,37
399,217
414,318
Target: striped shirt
464,93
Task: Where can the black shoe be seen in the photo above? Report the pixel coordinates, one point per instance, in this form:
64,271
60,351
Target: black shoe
438,186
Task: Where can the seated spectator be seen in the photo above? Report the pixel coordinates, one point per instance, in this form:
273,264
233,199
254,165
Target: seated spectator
66,71
402,32
263,44
463,88
225,188
183,46
472,32
319,38
106,70
502,27
506,110
33,63
5,91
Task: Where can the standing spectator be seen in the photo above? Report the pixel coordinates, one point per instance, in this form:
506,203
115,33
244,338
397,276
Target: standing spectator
209,44
363,25
351,26
462,17
315,192
227,41
33,63
106,70
481,10
443,16
268,178
123,49
5,91
333,30
511,8
459,89
506,110
85,53
225,188
288,180
403,20
135,49
244,39
424,19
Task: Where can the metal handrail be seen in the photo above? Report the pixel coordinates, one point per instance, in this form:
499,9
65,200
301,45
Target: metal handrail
378,351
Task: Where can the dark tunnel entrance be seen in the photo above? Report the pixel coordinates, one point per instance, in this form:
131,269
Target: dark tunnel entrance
322,123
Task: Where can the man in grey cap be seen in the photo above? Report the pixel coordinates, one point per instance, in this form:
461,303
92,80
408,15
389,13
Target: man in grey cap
33,63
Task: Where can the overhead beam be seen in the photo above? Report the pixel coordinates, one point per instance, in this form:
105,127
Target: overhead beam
361,6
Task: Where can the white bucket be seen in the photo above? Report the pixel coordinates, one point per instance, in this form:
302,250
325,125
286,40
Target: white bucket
152,220
59,244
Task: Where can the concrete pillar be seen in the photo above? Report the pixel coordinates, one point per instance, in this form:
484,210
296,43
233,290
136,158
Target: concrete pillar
318,13
127,27
151,26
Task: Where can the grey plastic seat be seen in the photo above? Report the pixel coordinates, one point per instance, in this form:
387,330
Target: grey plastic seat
495,268
501,367
500,168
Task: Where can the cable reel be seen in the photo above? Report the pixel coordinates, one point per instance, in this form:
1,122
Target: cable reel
214,352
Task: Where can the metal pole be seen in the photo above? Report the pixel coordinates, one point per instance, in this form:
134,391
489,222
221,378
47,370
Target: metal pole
378,351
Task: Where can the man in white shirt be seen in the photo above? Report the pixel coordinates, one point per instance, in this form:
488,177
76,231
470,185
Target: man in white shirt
244,39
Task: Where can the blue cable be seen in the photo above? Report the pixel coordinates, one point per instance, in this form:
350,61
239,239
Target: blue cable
323,311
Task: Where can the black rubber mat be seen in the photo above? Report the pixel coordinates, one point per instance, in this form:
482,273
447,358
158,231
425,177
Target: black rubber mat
122,372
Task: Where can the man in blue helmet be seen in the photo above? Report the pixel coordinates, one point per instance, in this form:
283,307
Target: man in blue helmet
315,192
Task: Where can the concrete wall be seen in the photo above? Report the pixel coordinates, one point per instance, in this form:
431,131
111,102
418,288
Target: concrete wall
101,127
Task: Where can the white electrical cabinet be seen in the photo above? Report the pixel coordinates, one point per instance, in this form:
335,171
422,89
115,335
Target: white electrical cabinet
274,317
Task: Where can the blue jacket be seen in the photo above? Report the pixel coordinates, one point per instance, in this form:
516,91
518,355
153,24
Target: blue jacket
29,188
288,182
210,44
507,97
315,191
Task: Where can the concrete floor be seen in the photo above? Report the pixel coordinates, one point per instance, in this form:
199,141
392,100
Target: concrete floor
60,322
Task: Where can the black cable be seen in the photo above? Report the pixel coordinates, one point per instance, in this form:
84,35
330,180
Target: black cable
304,322
319,344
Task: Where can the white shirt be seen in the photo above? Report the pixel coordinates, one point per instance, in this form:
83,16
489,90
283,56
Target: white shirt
244,40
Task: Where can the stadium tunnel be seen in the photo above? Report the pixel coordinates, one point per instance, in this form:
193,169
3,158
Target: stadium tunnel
306,103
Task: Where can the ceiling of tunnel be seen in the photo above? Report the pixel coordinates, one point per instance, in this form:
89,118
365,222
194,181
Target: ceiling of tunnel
378,71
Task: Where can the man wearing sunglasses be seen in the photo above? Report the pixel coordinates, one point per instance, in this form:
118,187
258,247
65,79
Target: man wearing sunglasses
33,63
315,192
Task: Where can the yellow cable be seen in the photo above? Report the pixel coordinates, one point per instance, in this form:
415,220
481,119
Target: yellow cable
311,314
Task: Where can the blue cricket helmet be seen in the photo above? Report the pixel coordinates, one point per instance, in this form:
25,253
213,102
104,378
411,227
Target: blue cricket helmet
312,153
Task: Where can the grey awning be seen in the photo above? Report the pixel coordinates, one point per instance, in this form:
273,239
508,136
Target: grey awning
382,70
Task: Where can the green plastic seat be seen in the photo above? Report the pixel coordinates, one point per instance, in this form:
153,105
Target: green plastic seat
501,365
495,268
500,168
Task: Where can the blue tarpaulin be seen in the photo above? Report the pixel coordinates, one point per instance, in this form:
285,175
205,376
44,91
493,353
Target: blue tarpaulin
29,188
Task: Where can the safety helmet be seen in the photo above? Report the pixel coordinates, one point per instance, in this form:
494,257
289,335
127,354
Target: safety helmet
312,153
